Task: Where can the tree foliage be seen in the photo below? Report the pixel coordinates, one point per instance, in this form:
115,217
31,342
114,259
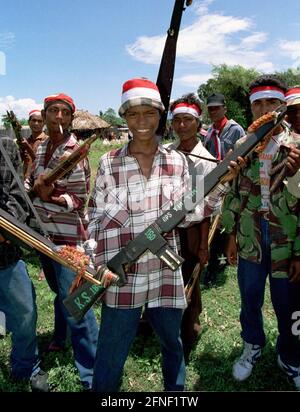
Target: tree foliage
6,122
233,82
111,117
290,76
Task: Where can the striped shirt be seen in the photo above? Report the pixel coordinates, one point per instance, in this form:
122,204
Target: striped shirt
66,225
123,204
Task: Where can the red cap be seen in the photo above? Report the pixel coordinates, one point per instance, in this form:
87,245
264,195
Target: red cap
60,97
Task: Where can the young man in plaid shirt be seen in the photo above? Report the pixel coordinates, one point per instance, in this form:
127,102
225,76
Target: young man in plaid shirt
61,207
134,186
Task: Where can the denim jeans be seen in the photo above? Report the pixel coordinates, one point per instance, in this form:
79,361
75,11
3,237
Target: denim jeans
60,323
285,298
84,334
17,301
117,332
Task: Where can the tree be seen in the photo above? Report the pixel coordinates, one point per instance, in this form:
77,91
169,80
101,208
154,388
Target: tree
111,117
291,76
233,82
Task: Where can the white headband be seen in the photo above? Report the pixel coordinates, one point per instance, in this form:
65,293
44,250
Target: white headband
185,108
266,92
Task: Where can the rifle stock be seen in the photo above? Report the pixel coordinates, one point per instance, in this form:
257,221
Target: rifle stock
152,239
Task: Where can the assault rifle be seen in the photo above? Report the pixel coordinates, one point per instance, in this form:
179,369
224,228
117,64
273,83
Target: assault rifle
66,165
16,125
151,238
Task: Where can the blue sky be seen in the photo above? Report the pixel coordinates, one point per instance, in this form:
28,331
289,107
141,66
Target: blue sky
88,48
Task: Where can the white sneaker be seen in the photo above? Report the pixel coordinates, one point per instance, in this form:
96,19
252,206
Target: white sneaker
243,366
292,372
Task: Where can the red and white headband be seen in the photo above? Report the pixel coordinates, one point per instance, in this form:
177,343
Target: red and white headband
292,96
266,92
182,108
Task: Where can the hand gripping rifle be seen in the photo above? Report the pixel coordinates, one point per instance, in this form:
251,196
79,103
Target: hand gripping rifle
68,164
151,238
167,65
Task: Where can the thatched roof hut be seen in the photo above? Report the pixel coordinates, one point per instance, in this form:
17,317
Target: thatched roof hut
84,121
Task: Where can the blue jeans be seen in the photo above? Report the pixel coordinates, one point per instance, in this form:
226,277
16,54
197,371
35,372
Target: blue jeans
84,334
285,298
17,301
117,332
60,323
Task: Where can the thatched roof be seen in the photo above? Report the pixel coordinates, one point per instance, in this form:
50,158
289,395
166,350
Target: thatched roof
83,120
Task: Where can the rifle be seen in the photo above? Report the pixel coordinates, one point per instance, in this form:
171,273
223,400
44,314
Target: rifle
66,165
16,125
15,230
151,238
198,267
167,65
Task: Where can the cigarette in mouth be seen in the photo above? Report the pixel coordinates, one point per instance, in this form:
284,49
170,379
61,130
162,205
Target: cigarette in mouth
61,129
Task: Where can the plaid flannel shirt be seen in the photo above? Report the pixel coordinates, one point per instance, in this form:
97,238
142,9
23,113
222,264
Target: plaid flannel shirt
122,205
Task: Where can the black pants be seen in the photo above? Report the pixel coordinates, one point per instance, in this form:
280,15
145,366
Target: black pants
216,250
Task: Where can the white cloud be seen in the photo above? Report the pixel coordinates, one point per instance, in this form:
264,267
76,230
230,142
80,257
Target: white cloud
21,107
291,49
202,8
211,39
193,80
254,40
147,49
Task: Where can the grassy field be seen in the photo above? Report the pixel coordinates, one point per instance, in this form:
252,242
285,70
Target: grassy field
211,361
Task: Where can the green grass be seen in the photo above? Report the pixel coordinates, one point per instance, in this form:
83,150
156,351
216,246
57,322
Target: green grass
211,361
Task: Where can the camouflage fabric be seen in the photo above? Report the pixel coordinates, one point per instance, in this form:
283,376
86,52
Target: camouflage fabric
240,215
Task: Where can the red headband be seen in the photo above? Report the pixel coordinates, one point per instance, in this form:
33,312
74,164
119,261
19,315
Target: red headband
59,98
